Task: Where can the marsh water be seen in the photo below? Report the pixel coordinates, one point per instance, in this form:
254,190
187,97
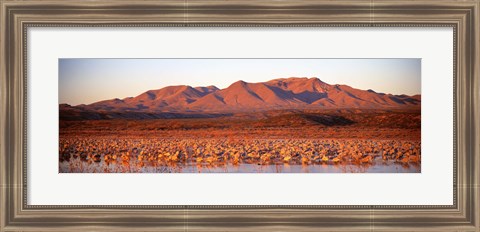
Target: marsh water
298,168
376,167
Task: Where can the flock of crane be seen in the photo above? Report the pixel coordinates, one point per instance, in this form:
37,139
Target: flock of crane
217,152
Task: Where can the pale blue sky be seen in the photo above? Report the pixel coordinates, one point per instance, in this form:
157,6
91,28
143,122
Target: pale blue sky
84,81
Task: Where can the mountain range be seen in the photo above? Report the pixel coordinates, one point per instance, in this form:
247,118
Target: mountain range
241,96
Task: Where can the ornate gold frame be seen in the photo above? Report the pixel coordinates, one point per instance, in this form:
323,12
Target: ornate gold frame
17,16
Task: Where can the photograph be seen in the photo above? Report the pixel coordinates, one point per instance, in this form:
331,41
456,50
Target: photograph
239,115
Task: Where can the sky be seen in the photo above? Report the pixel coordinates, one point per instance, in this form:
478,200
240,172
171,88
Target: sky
84,81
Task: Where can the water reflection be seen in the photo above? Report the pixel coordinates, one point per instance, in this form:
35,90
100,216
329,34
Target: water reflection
222,167
298,168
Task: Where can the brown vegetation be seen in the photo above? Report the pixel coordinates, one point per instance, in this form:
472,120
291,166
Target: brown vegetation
367,124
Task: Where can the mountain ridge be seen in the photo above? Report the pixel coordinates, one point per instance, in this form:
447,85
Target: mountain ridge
241,96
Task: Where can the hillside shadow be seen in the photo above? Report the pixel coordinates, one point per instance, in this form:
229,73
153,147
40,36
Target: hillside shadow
329,120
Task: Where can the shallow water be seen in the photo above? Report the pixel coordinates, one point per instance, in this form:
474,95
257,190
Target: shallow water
297,168
246,168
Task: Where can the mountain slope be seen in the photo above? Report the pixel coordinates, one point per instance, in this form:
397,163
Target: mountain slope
283,93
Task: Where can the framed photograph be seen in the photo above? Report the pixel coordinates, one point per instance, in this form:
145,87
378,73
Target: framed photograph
240,116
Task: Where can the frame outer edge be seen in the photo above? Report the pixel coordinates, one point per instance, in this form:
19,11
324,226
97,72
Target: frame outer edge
9,100
476,110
